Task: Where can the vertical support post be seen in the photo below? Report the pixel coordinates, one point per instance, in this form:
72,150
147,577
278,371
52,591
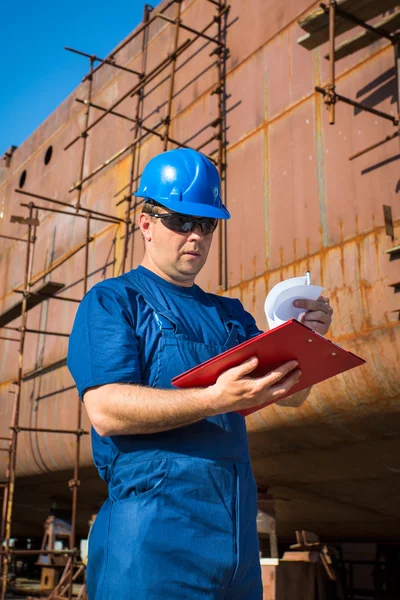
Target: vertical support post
85,135
351,580
86,273
140,95
221,161
396,45
273,541
332,61
4,507
3,514
17,403
32,254
74,483
172,76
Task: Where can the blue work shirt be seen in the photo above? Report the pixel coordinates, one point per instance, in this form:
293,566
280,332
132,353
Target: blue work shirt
116,334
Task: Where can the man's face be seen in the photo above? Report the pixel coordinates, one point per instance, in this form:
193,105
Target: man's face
177,257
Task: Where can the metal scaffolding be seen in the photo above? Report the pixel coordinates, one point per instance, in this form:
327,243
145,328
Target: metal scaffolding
125,227
338,16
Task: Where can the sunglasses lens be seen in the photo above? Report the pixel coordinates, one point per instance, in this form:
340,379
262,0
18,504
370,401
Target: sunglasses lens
208,225
178,224
184,224
187,224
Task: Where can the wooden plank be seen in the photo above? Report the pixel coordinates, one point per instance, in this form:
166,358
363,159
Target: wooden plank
317,23
394,253
363,9
389,24
48,289
311,556
309,537
392,250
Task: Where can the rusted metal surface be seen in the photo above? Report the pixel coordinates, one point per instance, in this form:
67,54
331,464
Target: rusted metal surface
390,24
317,22
329,91
297,203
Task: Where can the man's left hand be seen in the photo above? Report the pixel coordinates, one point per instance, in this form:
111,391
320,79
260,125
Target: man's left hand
319,314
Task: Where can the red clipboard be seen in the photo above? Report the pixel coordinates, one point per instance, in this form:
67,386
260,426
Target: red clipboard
318,359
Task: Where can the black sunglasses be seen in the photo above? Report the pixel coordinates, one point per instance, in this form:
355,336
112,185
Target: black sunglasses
184,223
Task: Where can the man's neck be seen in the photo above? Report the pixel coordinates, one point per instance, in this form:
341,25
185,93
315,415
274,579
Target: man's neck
149,264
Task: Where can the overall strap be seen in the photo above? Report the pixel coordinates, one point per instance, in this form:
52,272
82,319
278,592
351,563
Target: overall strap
165,318
230,318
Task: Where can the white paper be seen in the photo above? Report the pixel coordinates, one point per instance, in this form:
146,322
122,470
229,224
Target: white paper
279,302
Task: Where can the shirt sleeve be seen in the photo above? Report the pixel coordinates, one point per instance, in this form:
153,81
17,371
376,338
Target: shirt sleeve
103,347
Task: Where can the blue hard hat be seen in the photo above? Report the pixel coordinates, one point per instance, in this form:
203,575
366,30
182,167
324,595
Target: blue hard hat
184,181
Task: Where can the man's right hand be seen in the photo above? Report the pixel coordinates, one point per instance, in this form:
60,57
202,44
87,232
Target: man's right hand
234,390
130,409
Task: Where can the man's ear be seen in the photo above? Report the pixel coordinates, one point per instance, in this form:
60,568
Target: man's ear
145,225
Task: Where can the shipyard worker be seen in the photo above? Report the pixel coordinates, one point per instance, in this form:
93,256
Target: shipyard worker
180,519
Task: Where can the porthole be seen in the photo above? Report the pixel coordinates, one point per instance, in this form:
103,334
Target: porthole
22,179
48,155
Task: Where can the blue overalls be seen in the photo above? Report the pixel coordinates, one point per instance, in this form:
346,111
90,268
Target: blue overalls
180,520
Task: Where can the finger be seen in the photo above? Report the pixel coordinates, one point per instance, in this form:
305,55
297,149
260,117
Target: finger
325,300
312,305
276,375
245,368
301,317
321,328
282,387
316,315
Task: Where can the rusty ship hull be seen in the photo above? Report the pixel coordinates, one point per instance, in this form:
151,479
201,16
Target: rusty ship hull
297,203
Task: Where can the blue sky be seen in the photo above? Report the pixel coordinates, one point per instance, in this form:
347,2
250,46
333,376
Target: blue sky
37,74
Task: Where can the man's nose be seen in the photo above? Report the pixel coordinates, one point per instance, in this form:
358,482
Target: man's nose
196,233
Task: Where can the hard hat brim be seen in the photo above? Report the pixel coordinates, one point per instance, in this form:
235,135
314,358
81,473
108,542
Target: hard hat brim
191,208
